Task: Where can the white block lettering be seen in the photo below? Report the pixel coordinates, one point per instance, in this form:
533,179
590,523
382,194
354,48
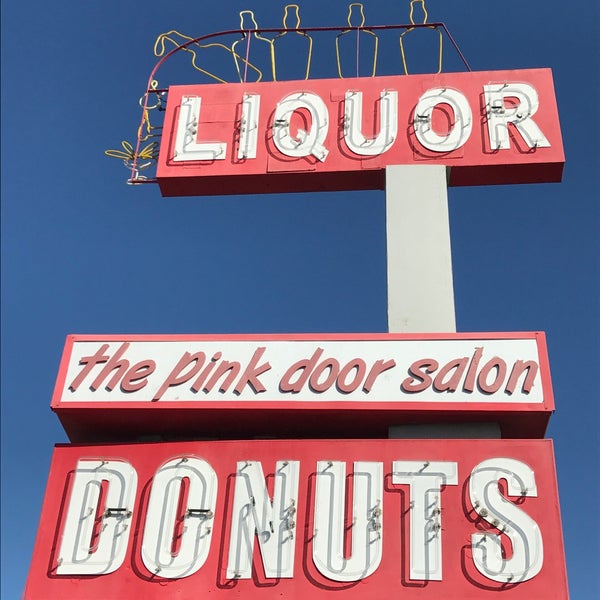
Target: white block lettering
172,548
186,146
460,121
273,522
388,124
499,115
425,480
249,126
524,534
367,514
306,143
102,491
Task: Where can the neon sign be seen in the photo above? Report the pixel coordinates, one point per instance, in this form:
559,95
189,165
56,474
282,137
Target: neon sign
340,134
427,518
370,380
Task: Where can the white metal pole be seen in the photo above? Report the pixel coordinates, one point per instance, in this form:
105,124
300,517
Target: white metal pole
419,272
419,261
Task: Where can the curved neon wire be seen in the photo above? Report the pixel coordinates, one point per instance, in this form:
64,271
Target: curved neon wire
164,58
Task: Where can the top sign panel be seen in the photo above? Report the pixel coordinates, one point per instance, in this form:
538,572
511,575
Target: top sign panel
489,127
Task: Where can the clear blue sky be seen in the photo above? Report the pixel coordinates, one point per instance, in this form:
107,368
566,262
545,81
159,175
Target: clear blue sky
84,253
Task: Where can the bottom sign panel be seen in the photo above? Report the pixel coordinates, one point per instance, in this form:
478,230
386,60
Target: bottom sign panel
301,519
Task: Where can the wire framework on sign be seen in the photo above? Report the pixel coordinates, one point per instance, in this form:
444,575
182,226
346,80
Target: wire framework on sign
294,31
356,8
423,23
248,41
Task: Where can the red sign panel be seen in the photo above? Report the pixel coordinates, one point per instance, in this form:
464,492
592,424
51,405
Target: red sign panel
489,127
301,519
329,385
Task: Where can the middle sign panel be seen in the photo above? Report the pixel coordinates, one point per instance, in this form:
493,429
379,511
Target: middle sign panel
124,387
